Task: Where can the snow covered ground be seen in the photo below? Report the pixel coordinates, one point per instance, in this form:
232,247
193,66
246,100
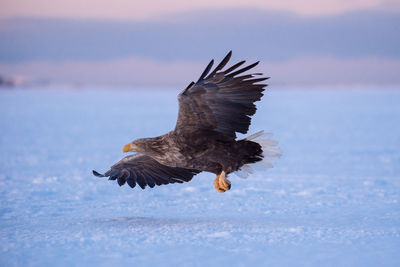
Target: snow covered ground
333,199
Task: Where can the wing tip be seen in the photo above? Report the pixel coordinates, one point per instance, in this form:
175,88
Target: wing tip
187,88
95,173
254,64
206,71
232,74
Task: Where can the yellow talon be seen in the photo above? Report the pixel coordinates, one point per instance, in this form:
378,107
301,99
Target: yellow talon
221,183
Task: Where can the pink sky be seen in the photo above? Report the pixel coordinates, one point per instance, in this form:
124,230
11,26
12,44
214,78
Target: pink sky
139,10
304,71
308,72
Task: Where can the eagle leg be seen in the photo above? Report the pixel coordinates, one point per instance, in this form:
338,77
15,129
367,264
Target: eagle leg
221,183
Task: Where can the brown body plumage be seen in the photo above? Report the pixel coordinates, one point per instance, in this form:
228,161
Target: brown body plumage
211,111
201,150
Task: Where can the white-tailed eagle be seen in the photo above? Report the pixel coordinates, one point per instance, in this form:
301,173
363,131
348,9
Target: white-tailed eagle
211,112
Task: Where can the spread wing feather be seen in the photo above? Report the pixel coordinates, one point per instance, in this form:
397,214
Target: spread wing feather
221,101
143,170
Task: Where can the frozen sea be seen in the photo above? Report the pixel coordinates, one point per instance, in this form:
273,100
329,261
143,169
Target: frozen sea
333,198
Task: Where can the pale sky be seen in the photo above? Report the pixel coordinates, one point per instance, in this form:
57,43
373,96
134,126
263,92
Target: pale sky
94,59
308,72
139,10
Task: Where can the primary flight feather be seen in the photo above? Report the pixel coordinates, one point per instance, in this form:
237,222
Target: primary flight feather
211,112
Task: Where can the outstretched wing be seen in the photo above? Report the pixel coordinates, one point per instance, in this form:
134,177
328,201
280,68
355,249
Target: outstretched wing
221,101
143,170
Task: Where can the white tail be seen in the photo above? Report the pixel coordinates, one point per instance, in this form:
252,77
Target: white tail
270,149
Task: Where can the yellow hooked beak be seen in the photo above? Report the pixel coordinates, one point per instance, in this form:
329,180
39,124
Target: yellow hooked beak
129,148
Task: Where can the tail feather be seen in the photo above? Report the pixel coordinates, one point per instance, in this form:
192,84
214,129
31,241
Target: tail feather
254,136
270,153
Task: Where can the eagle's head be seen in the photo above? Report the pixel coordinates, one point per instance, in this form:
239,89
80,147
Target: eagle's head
138,145
142,145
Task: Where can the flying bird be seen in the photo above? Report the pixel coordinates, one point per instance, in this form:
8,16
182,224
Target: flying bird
211,112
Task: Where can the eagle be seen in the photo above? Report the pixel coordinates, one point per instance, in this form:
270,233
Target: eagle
211,112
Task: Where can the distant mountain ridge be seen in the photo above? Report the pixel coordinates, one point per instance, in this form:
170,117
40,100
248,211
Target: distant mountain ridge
257,34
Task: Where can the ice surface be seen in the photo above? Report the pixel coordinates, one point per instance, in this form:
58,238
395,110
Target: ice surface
331,200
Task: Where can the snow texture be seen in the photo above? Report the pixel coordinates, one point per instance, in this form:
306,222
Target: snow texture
332,199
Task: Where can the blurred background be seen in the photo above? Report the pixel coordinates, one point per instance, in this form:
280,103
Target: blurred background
167,43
